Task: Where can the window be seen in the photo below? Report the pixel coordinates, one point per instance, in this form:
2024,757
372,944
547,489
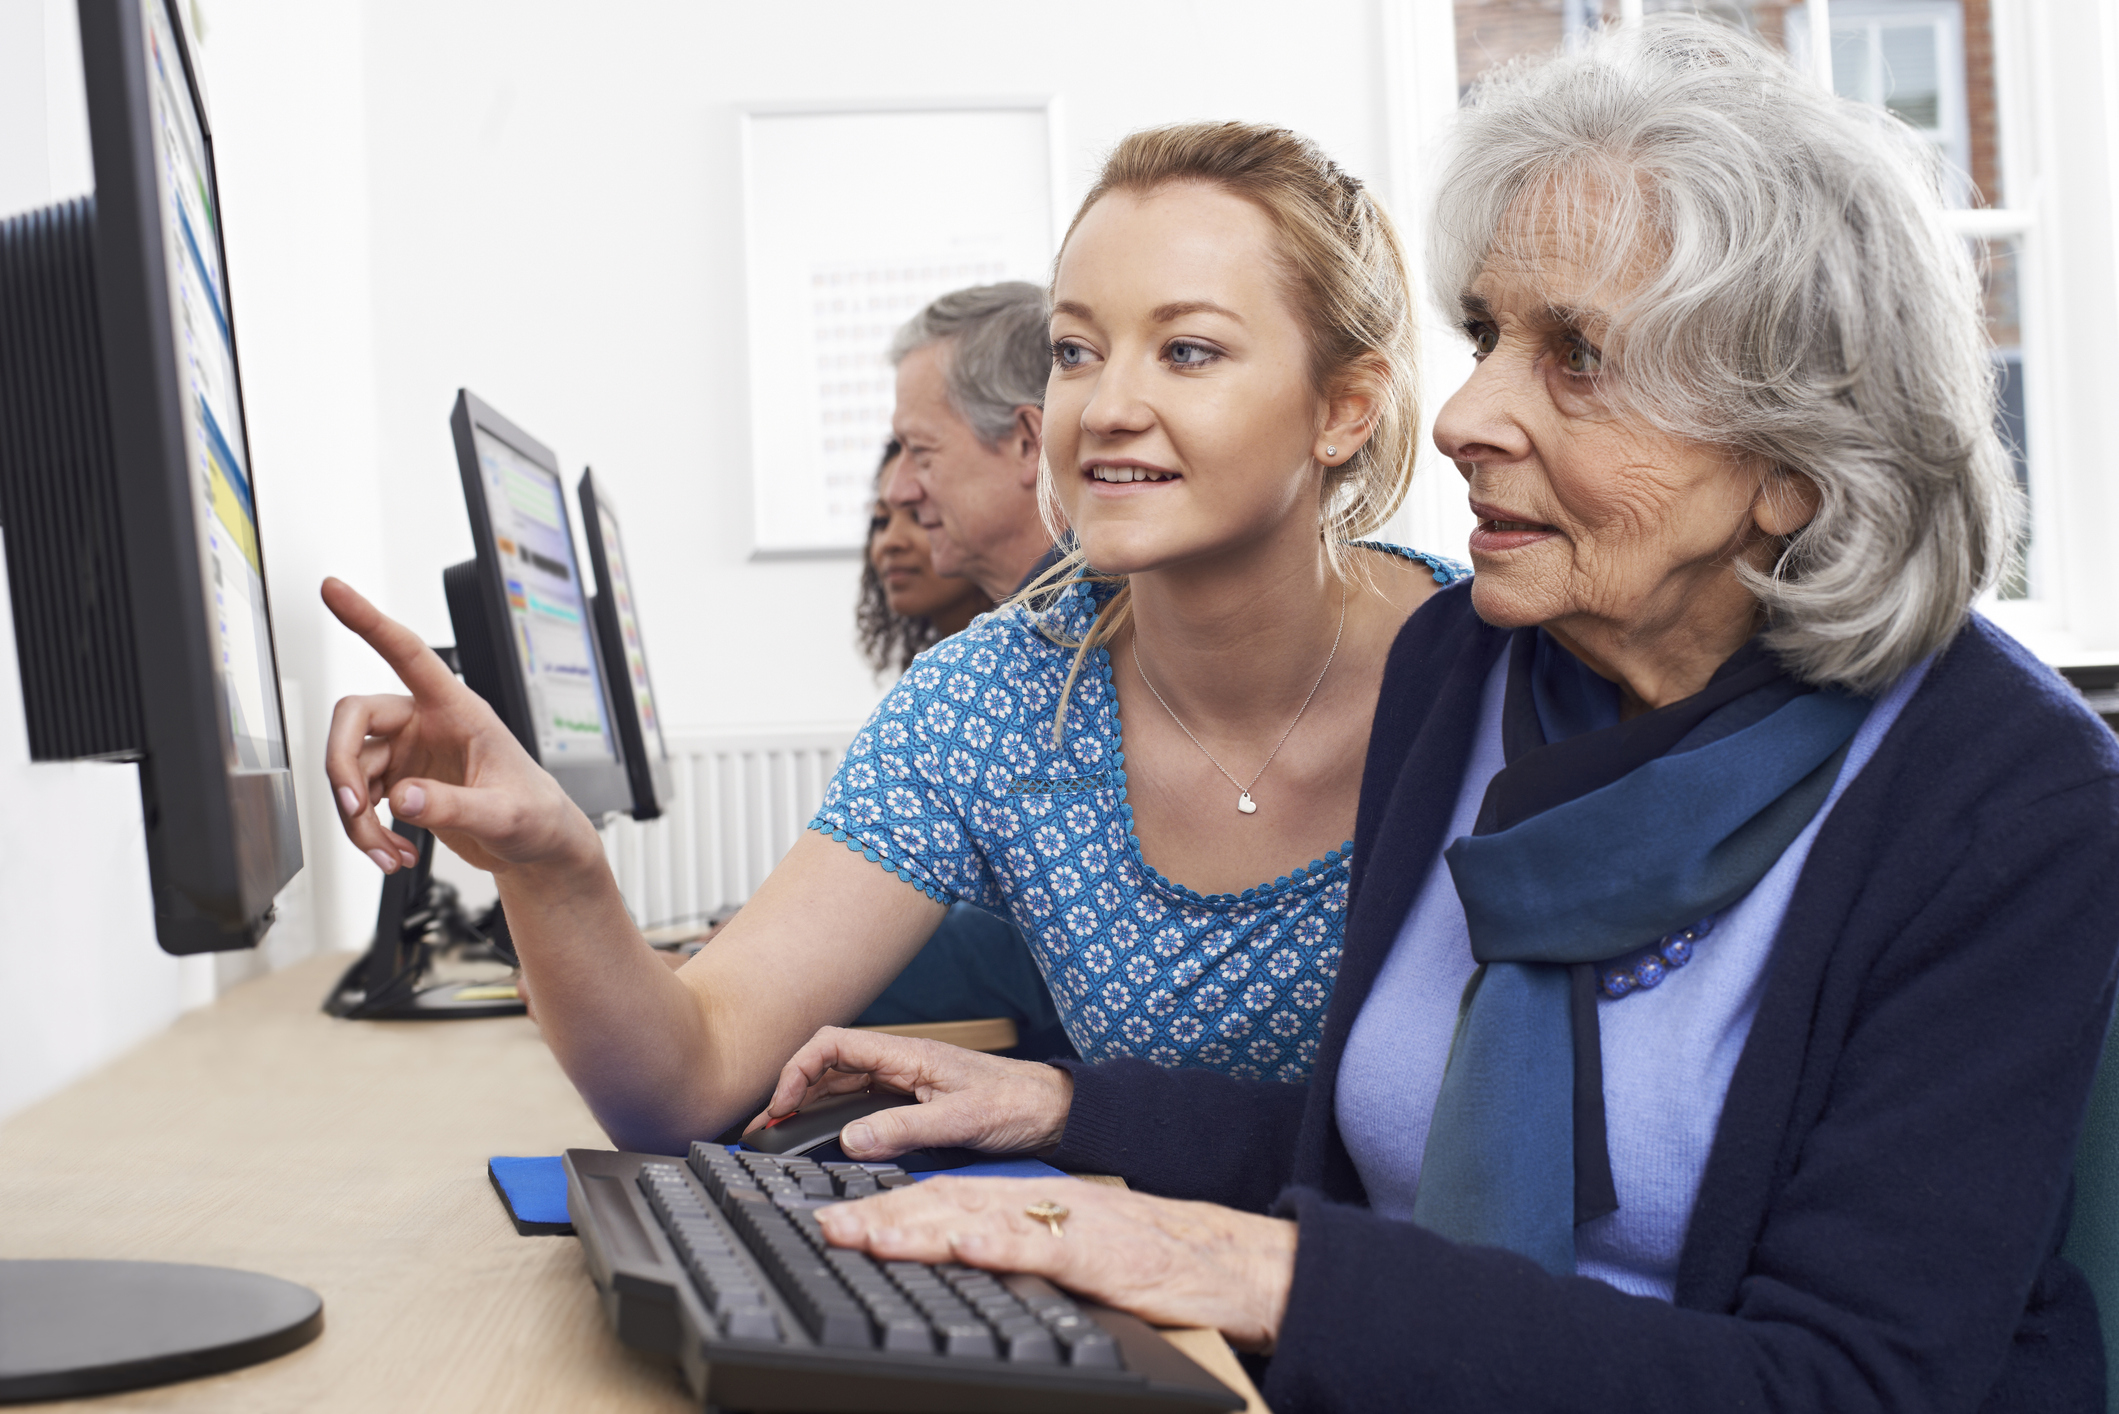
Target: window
1931,63
1906,56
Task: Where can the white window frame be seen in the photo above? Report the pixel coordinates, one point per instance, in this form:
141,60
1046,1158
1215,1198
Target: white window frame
1945,18
1420,98
2057,80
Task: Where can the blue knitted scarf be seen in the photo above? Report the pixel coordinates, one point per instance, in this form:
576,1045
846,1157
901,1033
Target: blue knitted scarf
1597,838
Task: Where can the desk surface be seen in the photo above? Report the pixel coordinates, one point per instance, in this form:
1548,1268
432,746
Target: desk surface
350,1157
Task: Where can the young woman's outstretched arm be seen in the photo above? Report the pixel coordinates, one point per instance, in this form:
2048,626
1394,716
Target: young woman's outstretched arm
662,1058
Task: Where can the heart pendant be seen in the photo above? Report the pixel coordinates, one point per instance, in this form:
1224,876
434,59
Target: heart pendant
1247,805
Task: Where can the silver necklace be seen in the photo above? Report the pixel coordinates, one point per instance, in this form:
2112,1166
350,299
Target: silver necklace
1244,802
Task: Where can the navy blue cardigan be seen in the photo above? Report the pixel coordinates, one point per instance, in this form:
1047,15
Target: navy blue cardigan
1879,1224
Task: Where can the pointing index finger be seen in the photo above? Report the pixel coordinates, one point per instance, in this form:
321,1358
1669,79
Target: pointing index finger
415,664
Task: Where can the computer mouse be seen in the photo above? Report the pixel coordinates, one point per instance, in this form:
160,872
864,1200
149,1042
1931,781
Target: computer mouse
821,1122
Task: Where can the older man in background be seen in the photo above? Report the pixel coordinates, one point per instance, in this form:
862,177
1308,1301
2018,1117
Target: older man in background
970,414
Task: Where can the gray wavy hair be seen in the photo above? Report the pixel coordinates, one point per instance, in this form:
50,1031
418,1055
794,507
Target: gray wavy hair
1001,352
1804,304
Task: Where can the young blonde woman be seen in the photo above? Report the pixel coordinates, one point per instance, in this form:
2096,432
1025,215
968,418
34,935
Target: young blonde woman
1153,768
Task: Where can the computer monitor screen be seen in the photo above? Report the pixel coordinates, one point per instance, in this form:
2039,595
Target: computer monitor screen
617,615
546,605
628,620
215,440
523,632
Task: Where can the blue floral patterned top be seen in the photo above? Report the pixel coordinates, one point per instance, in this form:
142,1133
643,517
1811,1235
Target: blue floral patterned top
954,784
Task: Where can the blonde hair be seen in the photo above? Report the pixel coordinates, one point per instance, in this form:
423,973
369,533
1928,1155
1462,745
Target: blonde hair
1347,278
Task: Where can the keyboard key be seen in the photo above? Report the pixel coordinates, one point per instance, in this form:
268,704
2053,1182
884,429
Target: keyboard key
755,1323
965,1340
1047,1305
1096,1352
731,1300
1034,1346
942,1313
857,1268
894,1180
908,1334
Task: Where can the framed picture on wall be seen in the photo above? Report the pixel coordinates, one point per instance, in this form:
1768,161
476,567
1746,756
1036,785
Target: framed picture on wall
855,216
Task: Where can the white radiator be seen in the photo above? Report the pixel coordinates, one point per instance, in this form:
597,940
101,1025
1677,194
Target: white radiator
742,799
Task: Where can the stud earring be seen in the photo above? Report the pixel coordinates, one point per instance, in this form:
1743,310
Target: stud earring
1331,451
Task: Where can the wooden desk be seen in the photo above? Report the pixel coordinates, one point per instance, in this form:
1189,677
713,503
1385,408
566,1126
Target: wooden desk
350,1157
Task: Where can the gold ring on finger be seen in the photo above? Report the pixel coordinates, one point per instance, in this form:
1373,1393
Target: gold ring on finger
1049,1213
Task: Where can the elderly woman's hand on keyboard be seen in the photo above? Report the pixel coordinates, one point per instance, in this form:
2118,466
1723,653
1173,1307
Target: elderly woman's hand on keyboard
1170,1262
967,1098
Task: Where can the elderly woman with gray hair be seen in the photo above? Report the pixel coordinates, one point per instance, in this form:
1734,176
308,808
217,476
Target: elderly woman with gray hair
1717,1012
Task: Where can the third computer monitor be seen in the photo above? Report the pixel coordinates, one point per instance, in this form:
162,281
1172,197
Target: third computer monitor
617,611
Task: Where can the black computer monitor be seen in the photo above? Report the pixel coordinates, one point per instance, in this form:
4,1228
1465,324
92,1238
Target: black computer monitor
524,638
142,625
526,642
142,622
617,615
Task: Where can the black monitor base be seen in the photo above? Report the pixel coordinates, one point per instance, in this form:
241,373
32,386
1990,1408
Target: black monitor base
420,916
446,1001
80,1328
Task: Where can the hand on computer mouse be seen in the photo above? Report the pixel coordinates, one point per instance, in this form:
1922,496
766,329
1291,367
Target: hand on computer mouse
967,1099
443,760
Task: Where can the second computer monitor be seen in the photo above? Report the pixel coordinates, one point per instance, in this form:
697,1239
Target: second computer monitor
523,634
625,654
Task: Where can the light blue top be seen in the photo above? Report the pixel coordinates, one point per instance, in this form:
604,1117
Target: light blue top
955,785
1668,1053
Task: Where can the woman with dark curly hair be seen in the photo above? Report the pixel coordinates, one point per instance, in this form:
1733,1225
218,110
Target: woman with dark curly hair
905,606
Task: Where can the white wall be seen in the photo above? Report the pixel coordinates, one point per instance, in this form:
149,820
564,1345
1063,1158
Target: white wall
286,86
81,977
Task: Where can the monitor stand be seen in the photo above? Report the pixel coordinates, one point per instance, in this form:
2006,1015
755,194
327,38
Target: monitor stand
389,982
71,1328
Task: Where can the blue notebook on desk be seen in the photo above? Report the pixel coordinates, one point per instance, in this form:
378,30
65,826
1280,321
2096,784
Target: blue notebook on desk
534,1190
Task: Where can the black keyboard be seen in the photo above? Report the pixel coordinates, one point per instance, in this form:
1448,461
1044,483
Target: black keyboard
718,1263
